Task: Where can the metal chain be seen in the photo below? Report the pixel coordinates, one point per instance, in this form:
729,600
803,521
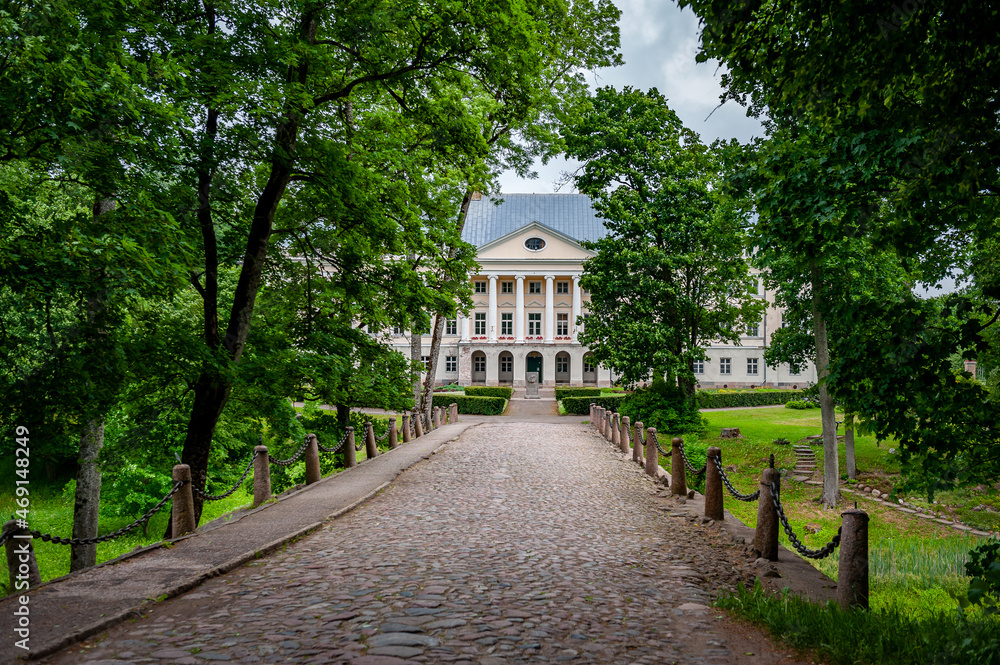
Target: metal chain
822,552
340,444
49,538
219,497
729,485
294,458
690,467
377,438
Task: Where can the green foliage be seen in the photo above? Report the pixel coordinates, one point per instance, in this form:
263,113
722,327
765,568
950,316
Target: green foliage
670,276
721,400
489,391
483,406
664,407
984,568
876,637
450,388
580,406
577,392
800,404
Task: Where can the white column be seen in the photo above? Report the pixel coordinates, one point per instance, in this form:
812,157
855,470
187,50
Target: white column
550,316
519,310
491,320
577,305
465,327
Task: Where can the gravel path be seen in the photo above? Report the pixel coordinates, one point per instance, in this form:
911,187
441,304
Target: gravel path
520,542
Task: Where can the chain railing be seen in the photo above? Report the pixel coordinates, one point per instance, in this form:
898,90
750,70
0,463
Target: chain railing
294,458
340,444
822,552
225,495
49,538
729,486
690,467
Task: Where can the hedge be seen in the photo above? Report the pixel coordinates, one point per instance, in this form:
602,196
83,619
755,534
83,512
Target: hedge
472,405
489,391
577,392
581,405
752,398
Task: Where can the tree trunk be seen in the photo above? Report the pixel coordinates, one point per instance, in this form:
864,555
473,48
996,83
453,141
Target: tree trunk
416,340
831,470
87,503
343,416
852,468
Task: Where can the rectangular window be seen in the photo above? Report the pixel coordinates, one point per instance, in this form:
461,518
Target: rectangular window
752,366
480,287
535,324
698,366
588,364
794,371
562,287
562,324
451,327
534,287
507,323
753,286
562,365
725,365
753,331
451,363
426,360
506,364
480,323
397,331
506,287
479,364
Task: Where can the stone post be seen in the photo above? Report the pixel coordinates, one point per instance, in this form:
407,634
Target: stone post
615,431
419,423
678,474
393,433
454,412
765,539
591,413
637,444
371,448
852,579
182,503
626,434
313,473
713,486
652,457
406,428
608,414
599,425
350,459
21,560
261,476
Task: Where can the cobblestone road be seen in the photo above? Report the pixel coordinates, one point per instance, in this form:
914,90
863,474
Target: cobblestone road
520,542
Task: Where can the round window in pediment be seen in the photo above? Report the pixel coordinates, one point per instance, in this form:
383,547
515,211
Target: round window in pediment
535,244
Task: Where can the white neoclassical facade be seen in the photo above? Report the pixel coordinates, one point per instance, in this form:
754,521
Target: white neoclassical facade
527,301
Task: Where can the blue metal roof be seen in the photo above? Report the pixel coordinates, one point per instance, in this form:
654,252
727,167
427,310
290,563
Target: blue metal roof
569,214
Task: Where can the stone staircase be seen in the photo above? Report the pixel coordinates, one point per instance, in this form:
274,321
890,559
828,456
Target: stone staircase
805,465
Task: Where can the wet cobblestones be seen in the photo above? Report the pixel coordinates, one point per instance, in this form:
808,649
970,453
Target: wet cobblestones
520,542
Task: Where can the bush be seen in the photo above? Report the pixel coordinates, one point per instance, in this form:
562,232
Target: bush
983,567
450,388
664,407
577,392
489,391
473,405
580,406
799,404
722,400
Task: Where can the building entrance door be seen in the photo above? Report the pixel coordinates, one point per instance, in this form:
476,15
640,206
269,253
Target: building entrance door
479,367
562,367
533,363
506,373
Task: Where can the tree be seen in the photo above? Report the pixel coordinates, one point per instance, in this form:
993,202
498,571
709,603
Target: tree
671,276
901,91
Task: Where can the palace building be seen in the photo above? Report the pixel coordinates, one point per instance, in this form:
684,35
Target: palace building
527,299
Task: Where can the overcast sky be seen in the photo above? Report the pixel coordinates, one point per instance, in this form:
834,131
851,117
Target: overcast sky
659,44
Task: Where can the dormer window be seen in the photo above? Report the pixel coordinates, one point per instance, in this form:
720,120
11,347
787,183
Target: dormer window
534,244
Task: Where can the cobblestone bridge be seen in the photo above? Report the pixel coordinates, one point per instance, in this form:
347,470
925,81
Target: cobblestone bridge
518,542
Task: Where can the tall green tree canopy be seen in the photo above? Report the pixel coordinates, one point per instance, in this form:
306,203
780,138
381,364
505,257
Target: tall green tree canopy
671,275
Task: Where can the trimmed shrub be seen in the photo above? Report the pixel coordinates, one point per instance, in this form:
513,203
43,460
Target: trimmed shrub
721,400
473,405
799,404
489,391
577,392
580,406
664,407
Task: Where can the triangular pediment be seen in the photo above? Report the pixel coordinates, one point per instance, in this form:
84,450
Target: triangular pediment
557,246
